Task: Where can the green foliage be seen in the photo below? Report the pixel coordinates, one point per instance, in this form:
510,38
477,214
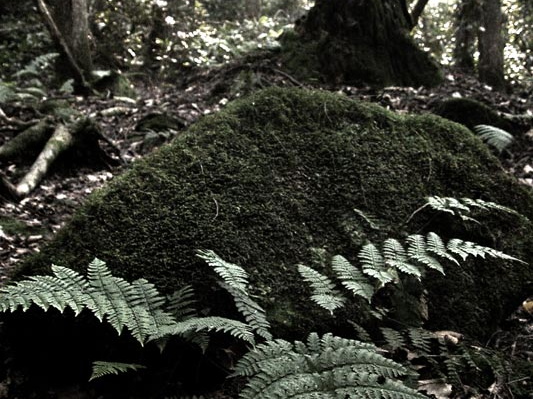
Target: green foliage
495,137
463,206
323,367
324,292
36,66
101,369
137,306
380,267
235,281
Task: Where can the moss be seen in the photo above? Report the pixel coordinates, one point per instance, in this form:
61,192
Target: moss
470,113
11,226
275,176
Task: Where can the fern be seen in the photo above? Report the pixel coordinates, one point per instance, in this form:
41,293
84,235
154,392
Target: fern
374,265
352,278
325,367
233,275
462,207
372,221
324,292
235,328
101,369
235,281
495,137
34,68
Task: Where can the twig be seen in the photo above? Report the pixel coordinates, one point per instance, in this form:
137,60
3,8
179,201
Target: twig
16,122
293,80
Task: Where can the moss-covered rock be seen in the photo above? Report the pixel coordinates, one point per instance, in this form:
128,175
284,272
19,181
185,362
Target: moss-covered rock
272,181
470,112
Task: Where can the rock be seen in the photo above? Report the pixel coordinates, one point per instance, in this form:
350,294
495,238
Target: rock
273,180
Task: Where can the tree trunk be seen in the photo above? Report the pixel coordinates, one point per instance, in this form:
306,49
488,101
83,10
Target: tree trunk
367,42
467,17
417,11
72,22
491,44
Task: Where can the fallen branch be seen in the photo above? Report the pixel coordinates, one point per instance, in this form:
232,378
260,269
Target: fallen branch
19,124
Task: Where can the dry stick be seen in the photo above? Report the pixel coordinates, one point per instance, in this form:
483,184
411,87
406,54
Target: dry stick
59,142
16,122
54,30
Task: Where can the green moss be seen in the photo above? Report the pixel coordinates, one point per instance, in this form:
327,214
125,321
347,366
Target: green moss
275,176
470,113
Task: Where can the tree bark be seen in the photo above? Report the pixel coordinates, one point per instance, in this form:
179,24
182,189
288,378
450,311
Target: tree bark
367,42
467,17
417,11
491,45
67,21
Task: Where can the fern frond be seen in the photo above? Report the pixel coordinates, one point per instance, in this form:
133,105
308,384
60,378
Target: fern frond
101,369
325,294
233,275
416,250
374,264
35,66
496,137
7,93
435,245
396,257
181,303
273,352
393,338
234,328
467,248
352,278
420,339
372,221
325,367
253,313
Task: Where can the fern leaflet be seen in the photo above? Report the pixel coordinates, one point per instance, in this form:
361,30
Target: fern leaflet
352,278
101,369
324,292
374,264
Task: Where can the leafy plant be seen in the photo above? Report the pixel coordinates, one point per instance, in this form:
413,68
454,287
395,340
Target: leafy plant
323,367
495,137
380,266
137,306
101,369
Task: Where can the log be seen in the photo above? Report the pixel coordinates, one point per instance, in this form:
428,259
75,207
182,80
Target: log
59,142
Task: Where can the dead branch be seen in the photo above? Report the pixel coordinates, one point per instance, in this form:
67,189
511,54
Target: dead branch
17,123
59,142
417,11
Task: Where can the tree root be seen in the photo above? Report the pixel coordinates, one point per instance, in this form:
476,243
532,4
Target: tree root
74,142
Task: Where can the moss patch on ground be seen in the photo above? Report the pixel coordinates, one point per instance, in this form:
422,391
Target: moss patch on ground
273,180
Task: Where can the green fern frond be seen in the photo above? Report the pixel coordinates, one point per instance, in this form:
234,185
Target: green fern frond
374,264
325,367
352,278
232,275
496,137
416,250
396,257
393,338
464,249
253,313
181,303
234,328
101,369
463,206
36,65
435,245
421,339
325,294
372,220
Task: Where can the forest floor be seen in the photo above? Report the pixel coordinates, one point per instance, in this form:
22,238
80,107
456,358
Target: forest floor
27,225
